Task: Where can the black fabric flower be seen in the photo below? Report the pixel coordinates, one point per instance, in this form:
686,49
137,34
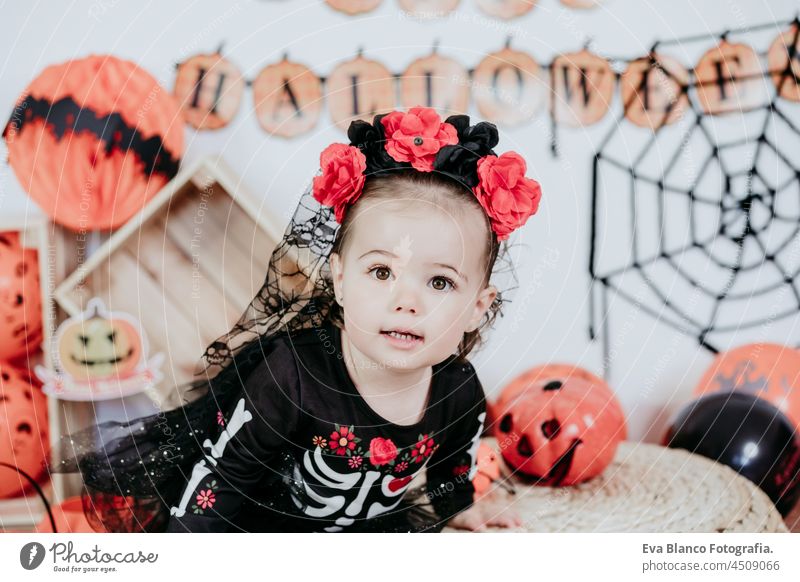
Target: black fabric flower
474,142
371,140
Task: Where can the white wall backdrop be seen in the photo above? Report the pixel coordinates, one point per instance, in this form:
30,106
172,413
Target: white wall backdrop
653,368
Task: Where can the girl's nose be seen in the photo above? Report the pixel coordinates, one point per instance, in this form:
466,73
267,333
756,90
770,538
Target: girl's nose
405,296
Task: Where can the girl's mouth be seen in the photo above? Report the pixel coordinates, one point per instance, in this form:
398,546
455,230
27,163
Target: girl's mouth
402,340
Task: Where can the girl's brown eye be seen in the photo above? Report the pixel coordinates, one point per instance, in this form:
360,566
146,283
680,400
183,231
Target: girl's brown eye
382,270
443,280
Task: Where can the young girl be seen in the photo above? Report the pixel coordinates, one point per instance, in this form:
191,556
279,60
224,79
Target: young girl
346,380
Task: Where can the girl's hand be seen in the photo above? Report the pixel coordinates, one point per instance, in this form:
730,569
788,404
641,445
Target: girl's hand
491,509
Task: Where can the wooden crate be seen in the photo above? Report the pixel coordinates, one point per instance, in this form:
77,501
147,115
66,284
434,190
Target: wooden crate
26,511
186,266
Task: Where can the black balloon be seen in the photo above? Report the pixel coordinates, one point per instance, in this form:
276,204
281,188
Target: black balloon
749,435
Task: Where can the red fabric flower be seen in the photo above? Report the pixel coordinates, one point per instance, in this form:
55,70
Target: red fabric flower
342,440
206,498
508,197
381,451
422,449
417,136
342,178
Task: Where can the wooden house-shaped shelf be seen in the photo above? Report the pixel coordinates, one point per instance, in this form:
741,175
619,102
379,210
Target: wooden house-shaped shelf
186,266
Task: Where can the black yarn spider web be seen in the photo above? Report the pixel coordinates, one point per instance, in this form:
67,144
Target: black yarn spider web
749,202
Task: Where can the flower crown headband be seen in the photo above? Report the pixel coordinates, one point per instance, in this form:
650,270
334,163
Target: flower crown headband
419,139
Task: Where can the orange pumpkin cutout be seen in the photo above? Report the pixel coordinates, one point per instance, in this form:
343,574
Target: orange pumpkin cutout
582,4
24,432
654,91
93,140
428,8
506,9
437,82
100,355
582,88
768,371
353,6
209,89
729,78
509,87
288,98
20,298
562,432
359,89
783,61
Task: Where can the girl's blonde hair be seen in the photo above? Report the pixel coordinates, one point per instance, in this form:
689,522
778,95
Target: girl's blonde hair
409,185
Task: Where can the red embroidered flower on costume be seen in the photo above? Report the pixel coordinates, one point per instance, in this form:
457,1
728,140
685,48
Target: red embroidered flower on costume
417,136
381,451
342,177
319,441
422,449
220,418
206,498
355,462
400,467
508,197
343,440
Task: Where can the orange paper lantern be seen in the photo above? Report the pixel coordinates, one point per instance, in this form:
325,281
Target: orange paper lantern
92,140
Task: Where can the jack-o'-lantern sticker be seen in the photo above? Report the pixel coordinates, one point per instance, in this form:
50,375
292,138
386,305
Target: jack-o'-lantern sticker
288,98
100,355
654,91
783,60
209,90
729,78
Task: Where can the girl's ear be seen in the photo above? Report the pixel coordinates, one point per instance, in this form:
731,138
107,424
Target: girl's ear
337,274
483,302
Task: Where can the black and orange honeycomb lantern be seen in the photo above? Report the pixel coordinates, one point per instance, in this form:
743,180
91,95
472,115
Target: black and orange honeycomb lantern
92,140
20,298
559,431
24,433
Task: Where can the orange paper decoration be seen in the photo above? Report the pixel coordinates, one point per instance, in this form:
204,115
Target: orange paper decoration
288,98
20,298
209,89
766,370
729,78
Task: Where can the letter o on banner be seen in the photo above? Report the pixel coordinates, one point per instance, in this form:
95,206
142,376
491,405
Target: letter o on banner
437,82
288,98
508,87
209,90
371,94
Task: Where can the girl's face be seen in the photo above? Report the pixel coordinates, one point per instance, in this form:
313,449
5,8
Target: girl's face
414,268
